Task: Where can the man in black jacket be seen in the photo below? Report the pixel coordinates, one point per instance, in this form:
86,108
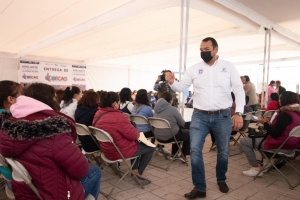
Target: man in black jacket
280,88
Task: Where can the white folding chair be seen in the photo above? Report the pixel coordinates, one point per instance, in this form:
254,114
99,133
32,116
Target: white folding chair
83,130
282,155
159,123
104,136
20,174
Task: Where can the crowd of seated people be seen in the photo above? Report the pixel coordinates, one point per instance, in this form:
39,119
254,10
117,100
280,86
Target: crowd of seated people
42,140
287,117
63,160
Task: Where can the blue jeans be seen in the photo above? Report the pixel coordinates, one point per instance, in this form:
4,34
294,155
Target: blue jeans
221,125
91,182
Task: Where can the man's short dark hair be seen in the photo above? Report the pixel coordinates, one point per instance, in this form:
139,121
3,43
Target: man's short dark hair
213,41
167,96
247,78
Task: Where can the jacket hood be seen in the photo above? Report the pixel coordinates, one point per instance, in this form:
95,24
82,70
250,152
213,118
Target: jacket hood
38,128
25,106
161,105
292,107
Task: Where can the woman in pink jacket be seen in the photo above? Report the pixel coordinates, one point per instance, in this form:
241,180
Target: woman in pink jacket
42,140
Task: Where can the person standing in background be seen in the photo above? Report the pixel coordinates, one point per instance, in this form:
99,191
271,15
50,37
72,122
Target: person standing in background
280,88
250,91
271,90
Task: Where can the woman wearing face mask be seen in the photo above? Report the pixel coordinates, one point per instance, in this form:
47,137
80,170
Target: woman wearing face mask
70,100
110,119
9,91
288,117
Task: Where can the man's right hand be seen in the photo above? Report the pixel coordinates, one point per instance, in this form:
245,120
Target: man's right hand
170,78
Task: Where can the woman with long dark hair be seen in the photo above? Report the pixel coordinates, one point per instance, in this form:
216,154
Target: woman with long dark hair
142,107
110,119
126,104
70,100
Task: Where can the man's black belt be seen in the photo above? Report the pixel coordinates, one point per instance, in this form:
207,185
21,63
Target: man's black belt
211,112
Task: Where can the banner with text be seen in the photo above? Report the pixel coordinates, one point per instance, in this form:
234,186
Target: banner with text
57,75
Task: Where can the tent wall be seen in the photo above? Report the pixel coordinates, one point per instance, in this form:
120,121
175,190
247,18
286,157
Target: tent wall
8,69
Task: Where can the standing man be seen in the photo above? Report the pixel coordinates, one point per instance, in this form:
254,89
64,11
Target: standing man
280,88
213,80
250,92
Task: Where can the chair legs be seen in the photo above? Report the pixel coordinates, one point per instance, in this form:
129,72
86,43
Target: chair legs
171,160
122,177
282,159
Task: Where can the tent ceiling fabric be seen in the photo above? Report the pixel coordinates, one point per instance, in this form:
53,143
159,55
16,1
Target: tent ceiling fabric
145,34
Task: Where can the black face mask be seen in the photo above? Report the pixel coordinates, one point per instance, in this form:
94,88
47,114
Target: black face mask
206,56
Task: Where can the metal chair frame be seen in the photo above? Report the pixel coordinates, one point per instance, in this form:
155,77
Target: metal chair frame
282,156
104,136
160,123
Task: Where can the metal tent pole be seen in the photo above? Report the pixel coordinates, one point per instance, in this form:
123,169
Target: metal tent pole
269,51
185,47
263,82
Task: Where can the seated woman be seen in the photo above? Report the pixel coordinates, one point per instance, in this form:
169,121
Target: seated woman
84,114
273,104
143,108
165,110
278,130
126,104
110,119
70,100
9,91
42,140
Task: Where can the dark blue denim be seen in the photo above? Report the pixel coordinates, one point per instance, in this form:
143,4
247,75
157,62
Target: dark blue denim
221,126
91,182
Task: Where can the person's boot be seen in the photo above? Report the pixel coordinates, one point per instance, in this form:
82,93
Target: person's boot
195,194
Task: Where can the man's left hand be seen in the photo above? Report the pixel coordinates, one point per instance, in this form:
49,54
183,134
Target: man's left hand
237,122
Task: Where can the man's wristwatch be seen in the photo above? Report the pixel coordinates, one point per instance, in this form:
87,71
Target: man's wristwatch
239,113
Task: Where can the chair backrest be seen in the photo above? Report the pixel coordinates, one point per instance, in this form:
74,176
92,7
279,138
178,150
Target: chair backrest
128,116
139,120
259,113
246,121
269,113
19,174
83,130
101,135
158,122
295,132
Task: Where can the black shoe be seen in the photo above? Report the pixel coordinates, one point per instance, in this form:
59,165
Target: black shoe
223,187
194,194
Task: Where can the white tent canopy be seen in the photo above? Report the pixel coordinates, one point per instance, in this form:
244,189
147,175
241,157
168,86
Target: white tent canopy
128,42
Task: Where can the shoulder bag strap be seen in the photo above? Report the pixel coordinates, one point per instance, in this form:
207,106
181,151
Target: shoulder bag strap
99,117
